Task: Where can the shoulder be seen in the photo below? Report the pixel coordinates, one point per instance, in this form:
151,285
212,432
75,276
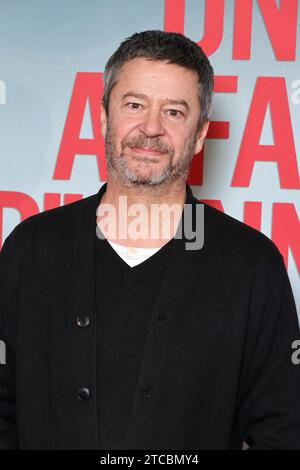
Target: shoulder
49,226
237,241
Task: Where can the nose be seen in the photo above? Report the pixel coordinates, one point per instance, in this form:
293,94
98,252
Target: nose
152,125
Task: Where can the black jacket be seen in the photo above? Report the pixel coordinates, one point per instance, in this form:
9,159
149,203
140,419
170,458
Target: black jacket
216,372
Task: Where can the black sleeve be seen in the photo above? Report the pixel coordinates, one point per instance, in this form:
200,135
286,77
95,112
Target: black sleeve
269,415
8,427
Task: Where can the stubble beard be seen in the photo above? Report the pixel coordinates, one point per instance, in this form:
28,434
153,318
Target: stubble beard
118,168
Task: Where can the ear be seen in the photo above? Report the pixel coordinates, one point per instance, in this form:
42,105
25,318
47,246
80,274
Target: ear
103,121
201,137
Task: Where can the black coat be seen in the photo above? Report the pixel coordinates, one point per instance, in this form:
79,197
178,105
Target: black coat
216,372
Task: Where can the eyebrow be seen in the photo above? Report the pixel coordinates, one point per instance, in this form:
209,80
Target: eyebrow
141,96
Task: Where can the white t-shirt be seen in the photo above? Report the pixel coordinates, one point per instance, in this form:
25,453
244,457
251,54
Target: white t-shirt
131,255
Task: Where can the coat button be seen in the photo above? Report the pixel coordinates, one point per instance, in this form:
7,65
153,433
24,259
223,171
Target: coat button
82,322
83,394
161,320
147,392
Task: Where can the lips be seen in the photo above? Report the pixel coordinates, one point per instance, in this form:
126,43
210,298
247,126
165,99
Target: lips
146,150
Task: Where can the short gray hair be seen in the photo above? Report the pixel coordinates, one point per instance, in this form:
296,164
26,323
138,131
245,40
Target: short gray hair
174,48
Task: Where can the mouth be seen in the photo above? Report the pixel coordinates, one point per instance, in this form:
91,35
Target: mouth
146,151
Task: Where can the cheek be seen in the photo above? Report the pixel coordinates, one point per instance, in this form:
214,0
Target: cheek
121,123
123,129
180,142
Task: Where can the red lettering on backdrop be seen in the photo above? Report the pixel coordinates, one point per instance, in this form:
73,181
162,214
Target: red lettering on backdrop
87,87
280,22
223,84
242,29
269,91
213,22
217,129
216,203
69,198
286,231
16,200
196,169
253,214
53,200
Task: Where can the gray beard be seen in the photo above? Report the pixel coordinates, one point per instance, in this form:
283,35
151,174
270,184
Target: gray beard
117,164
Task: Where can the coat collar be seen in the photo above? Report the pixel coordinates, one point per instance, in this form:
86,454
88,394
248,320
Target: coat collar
189,194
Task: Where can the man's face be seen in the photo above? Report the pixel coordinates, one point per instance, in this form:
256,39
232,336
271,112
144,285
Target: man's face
151,131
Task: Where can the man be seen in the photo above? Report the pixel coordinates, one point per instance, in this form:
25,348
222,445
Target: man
126,342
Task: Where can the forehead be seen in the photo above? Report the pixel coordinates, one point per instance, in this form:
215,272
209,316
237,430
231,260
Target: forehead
157,79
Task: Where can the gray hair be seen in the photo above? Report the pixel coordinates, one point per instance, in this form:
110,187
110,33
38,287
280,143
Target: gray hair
174,48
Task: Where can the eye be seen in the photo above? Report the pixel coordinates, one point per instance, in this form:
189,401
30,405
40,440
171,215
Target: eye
133,106
175,113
